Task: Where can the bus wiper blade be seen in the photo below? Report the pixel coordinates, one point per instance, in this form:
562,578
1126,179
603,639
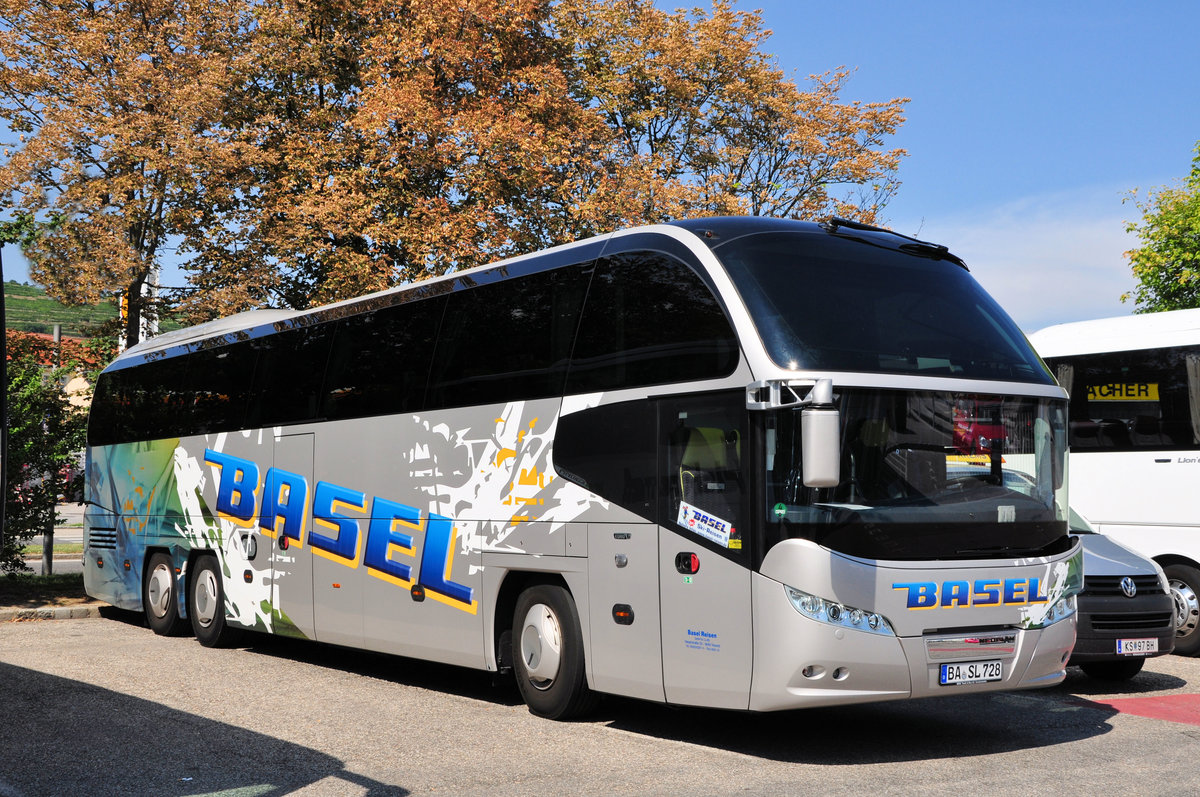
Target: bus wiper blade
1001,549
915,246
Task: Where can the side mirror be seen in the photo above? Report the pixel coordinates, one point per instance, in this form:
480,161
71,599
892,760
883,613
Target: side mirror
821,432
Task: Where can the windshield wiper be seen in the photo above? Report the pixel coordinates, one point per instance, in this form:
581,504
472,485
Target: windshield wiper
1006,549
915,246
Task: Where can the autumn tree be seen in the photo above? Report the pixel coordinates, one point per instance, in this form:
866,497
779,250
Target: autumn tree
294,153
407,139
704,122
114,108
1167,264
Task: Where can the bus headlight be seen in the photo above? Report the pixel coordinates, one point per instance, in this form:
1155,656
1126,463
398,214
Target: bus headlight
838,614
1061,609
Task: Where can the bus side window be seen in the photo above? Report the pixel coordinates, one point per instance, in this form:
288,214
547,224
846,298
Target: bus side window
1138,400
380,360
288,379
219,384
705,441
507,340
610,450
649,319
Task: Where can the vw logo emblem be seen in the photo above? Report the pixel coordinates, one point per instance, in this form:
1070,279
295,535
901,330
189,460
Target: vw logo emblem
1128,587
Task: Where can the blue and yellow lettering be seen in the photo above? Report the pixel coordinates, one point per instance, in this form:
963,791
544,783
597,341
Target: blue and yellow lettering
384,540
983,592
285,499
236,496
921,594
956,593
987,593
1015,590
342,545
437,559
288,503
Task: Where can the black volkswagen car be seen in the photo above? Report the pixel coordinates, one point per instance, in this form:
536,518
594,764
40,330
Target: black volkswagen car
1126,613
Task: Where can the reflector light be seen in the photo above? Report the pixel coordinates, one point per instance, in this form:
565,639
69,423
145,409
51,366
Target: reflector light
623,614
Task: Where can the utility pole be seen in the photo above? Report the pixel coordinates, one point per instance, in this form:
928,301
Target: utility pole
48,533
3,403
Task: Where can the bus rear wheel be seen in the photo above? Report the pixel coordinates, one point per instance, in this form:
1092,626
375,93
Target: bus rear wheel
1184,581
206,604
548,654
160,600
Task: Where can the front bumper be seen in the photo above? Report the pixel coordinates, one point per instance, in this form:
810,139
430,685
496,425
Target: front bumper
1103,619
800,662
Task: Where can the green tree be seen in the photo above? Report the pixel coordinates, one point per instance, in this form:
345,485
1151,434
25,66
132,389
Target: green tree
45,439
1167,264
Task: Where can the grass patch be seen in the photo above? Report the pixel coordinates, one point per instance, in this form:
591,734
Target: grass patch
59,548
27,591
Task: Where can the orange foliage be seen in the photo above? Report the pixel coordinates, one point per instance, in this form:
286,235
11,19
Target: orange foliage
41,349
297,153
115,106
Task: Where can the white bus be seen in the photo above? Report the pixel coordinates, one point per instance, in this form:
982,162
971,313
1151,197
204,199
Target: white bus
1135,440
722,462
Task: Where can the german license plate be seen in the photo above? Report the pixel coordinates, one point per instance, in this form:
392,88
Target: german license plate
1137,647
970,672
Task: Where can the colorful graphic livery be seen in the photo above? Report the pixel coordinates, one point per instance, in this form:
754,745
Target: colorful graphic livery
281,506
658,463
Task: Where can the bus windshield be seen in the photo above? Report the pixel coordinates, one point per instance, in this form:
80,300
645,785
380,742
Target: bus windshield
824,302
916,482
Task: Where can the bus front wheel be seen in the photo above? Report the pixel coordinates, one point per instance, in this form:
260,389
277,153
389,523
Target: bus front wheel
160,601
206,604
548,653
1185,591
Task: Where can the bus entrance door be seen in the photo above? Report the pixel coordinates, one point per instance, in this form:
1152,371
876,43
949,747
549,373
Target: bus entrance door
707,637
704,577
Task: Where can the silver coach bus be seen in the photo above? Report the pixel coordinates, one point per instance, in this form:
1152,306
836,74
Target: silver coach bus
737,462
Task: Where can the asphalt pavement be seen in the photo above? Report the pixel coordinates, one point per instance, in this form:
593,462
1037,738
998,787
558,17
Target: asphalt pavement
142,714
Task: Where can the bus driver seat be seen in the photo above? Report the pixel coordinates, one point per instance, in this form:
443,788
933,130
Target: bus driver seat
708,471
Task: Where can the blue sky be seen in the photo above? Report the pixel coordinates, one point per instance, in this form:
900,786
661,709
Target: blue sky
1027,126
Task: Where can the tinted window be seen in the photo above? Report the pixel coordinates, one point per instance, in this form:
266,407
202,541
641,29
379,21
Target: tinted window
649,319
828,303
380,360
291,369
705,475
218,381
611,451
145,403
507,340
112,418
1133,400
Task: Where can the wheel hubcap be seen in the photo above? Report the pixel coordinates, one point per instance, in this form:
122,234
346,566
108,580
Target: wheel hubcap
158,590
541,646
206,598
1187,608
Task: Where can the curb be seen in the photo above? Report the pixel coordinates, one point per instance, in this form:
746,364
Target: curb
50,613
